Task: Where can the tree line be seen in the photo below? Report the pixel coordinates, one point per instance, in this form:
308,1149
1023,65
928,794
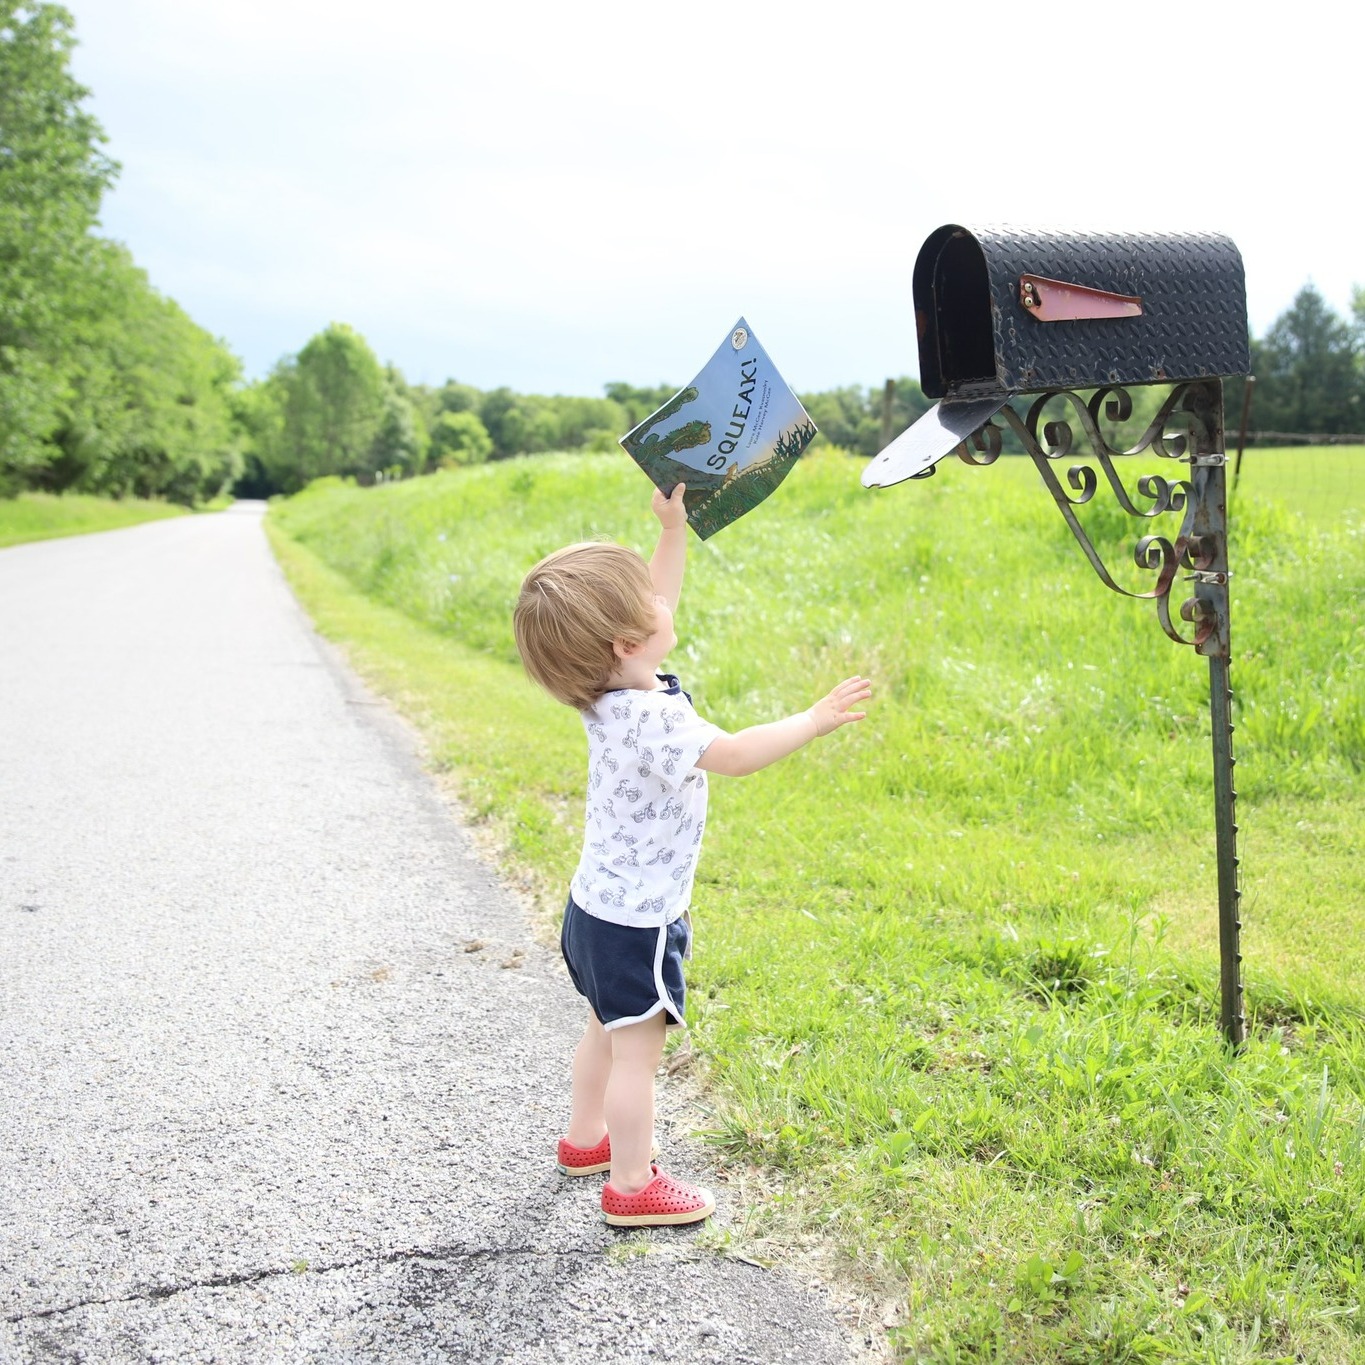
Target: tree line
1310,372
334,409
107,386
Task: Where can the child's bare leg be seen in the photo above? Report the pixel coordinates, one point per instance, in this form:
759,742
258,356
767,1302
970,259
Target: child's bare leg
635,1053
591,1070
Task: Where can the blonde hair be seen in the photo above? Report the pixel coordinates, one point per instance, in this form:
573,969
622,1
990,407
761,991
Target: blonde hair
574,605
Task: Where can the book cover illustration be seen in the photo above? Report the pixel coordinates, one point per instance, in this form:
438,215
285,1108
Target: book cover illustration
731,435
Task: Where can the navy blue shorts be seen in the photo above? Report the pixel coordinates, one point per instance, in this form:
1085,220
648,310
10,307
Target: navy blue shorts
626,973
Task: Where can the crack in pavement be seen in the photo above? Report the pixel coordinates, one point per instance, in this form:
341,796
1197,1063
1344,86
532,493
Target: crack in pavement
154,1295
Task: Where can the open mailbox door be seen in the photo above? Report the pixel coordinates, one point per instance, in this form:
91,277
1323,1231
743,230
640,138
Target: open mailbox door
921,446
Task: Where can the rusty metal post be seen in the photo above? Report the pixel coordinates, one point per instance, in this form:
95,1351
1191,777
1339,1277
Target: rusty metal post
1209,608
1225,833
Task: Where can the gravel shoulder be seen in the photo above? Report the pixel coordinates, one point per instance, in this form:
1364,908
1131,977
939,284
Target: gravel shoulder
263,1099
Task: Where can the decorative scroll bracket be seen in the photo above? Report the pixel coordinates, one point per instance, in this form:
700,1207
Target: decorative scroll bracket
1188,428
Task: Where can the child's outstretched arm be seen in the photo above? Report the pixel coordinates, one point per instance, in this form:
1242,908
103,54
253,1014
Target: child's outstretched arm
746,752
670,555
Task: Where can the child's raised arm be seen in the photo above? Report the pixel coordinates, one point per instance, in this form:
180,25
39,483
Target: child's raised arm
670,555
746,752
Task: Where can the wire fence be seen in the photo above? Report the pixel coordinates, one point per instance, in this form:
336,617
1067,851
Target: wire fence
1322,480
1300,438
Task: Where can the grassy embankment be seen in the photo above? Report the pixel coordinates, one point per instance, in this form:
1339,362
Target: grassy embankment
41,516
956,985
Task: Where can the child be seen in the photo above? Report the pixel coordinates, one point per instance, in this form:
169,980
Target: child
593,624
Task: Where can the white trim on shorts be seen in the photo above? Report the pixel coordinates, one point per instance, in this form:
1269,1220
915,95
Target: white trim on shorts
665,1001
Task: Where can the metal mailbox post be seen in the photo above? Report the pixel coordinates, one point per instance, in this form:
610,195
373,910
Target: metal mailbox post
1001,312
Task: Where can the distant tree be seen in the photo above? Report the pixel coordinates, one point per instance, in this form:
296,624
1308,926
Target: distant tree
1307,371
459,438
148,409
638,403
503,414
582,421
851,417
1358,324
845,418
908,405
544,423
401,440
333,399
455,397
258,410
52,176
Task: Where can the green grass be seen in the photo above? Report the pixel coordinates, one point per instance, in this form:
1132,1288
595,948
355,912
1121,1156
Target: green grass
956,986
1323,483
40,516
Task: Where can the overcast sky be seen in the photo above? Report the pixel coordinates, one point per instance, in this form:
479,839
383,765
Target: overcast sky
553,196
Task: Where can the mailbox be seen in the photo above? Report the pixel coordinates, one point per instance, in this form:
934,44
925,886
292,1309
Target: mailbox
1003,311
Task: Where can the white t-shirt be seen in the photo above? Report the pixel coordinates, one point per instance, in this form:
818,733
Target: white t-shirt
646,805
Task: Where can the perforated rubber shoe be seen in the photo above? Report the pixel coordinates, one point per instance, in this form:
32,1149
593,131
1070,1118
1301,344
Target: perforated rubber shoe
662,1202
589,1160
584,1160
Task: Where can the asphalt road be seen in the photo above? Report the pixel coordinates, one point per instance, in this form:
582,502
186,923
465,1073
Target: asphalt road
257,1102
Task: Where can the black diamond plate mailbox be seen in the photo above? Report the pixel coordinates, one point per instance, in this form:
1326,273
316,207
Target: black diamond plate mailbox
1004,312
1001,311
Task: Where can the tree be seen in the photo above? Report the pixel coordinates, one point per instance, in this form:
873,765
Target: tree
503,415
1358,325
333,399
454,397
401,440
148,409
52,177
581,422
331,409
258,410
459,438
845,418
638,403
1307,375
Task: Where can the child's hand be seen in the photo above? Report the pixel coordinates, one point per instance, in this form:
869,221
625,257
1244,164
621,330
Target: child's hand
670,510
833,711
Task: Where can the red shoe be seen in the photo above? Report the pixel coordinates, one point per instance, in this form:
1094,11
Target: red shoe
588,1160
584,1160
663,1201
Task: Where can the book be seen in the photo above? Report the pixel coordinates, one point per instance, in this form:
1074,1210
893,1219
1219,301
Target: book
731,435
